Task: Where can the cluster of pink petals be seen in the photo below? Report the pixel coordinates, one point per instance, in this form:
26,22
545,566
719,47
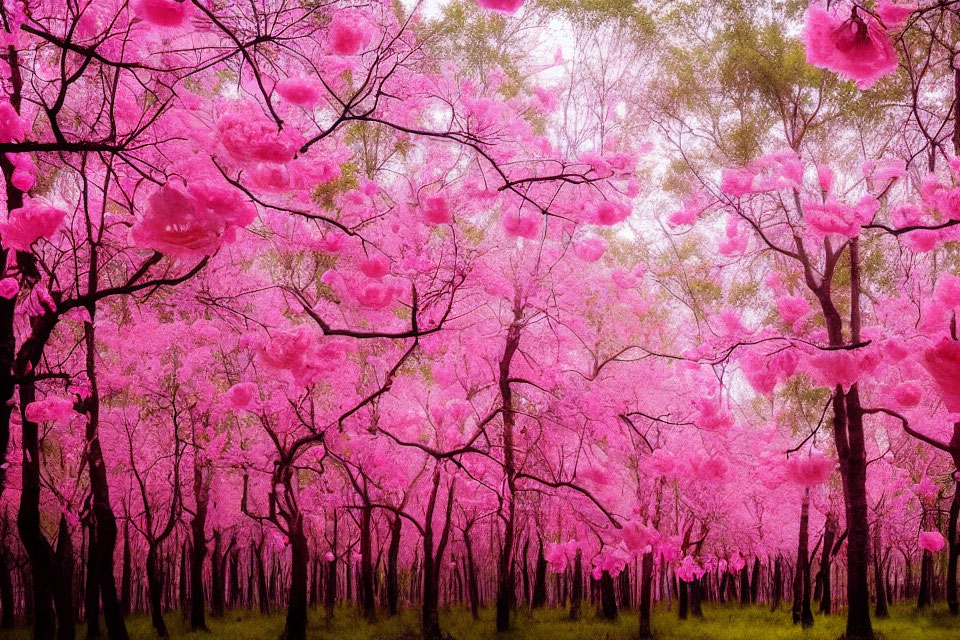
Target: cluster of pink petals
832,217
558,554
34,220
931,541
764,371
894,14
907,394
856,47
773,172
638,537
303,92
250,137
610,213
734,240
349,33
518,225
590,249
711,414
435,210
375,267
163,13
792,308
241,396
919,240
942,362
187,221
24,171
810,471
842,367
503,6
689,569
9,288
661,462
291,352
50,409
12,127
708,469
692,208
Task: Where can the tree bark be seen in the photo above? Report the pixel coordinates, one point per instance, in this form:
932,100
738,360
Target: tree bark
802,611
823,578
63,587
646,584
198,524
576,591
505,574
393,557
296,625
367,603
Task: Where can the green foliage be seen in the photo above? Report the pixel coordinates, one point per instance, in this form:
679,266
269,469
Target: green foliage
730,622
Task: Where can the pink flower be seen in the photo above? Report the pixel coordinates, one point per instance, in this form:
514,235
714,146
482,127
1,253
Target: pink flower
12,126
9,288
942,362
736,182
825,176
163,13
931,541
29,223
349,33
520,226
241,396
375,267
610,213
638,537
907,394
590,249
302,92
737,562
375,295
689,570
947,291
503,6
948,202
834,217
892,14
249,137
187,221
435,210
50,409
856,47
792,308
810,471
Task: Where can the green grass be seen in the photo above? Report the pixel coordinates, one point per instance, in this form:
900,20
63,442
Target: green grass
721,623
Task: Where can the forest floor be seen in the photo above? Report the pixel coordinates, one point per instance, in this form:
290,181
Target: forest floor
720,623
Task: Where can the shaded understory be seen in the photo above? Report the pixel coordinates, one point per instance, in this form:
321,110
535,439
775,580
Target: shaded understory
721,623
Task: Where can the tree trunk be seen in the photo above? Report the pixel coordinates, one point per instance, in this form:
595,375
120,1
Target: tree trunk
802,611
576,591
155,590
539,599
296,625
6,587
473,588
63,587
608,600
823,577
198,620
367,603
881,611
125,571
755,581
926,580
953,545
505,572
777,596
92,594
646,584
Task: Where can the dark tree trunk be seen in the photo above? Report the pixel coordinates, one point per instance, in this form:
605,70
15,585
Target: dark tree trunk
505,571
539,599
744,585
432,563
802,611
393,557
367,603
296,625
262,595
155,591
823,577
881,610
608,599
646,584
125,571
755,582
926,580
777,592
6,587
683,602
216,577
953,545
92,594
576,591
473,588
696,598
63,587
198,552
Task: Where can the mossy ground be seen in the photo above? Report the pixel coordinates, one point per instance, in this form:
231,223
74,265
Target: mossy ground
721,623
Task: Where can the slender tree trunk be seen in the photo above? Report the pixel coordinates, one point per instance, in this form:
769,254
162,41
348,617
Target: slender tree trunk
539,599
473,588
777,595
367,603
296,625
755,581
198,619
576,591
829,533
953,544
802,611
263,597
125,571
393,557
505,572
881,610
63,587
92,594
646,583
744,585
926,580
155,591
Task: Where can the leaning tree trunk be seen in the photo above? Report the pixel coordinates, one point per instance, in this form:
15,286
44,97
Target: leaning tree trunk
155,590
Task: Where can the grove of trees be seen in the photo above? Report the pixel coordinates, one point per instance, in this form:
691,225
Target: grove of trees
593,305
